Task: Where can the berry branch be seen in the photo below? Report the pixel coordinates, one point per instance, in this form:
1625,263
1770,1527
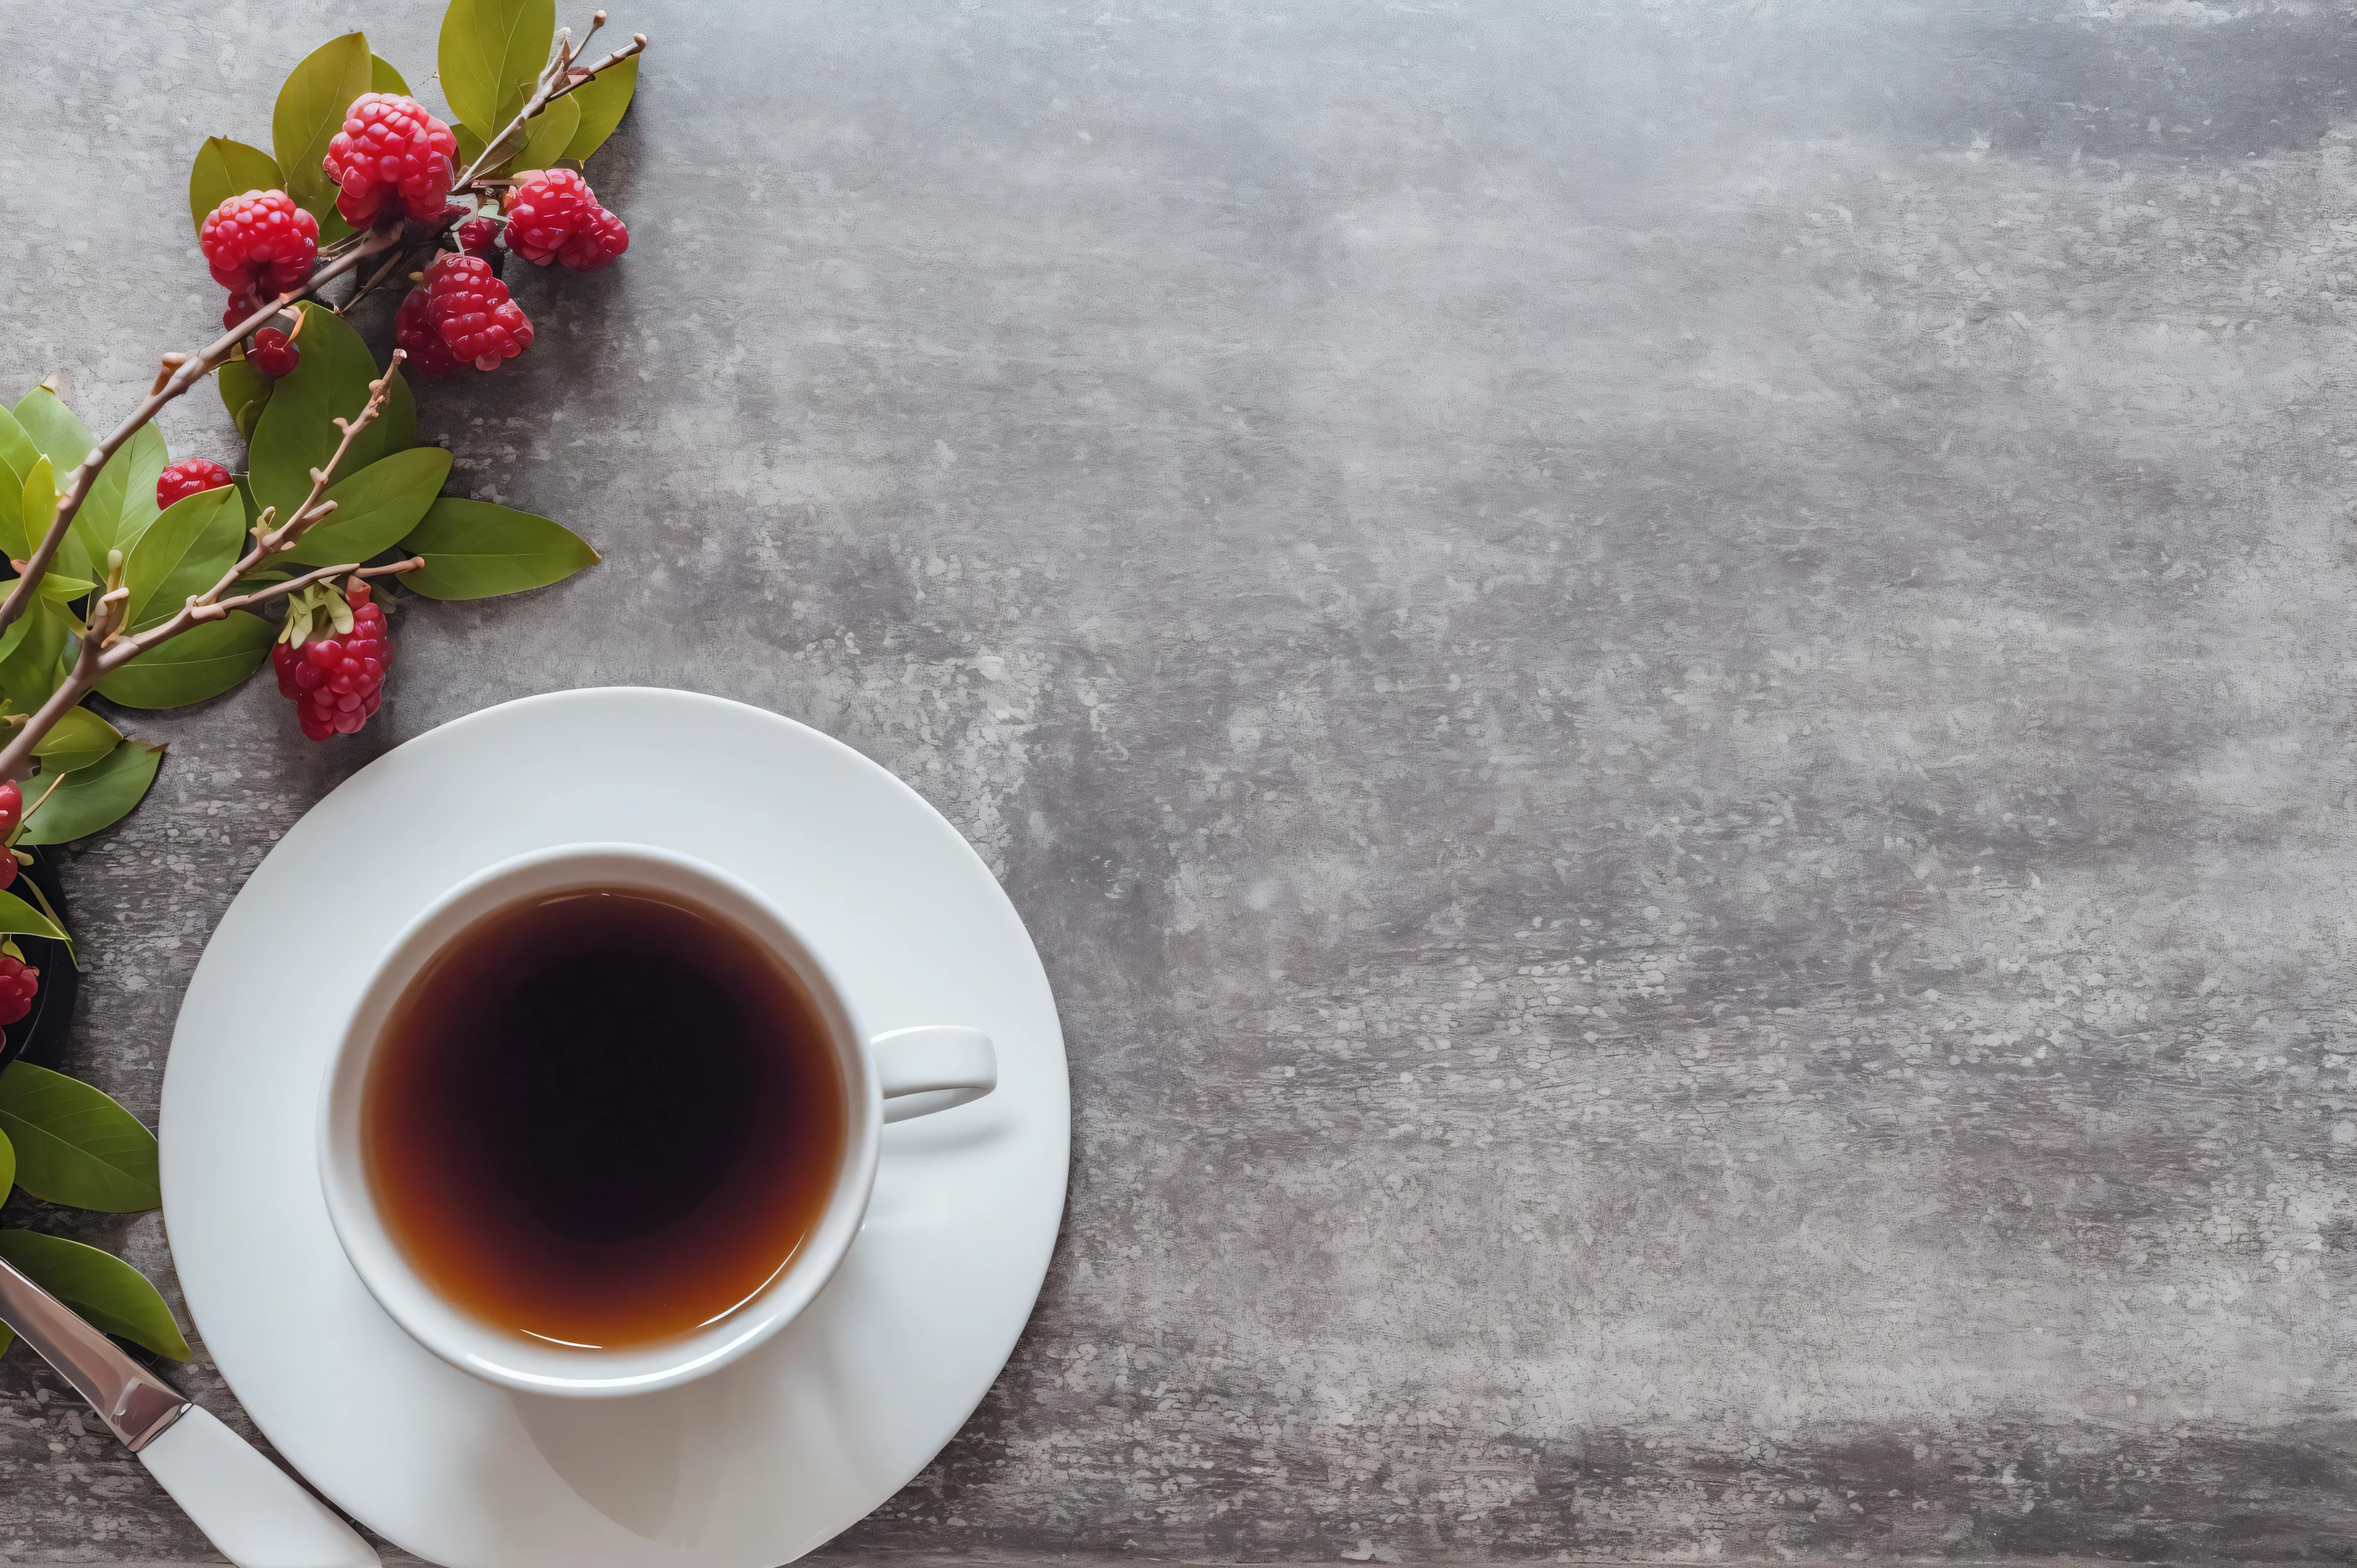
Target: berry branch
103,647
187,374
557,78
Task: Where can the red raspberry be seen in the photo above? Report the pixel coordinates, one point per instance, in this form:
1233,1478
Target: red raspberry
553,216
337,681
242,306
12,808
272,354
260,243
19,981
413,331
390,158
476,235
189,476
472,309
591,247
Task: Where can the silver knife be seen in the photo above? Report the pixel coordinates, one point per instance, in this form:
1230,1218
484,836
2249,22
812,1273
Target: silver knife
249,1507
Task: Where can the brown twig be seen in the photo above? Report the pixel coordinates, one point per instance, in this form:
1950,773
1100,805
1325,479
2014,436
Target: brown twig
190,371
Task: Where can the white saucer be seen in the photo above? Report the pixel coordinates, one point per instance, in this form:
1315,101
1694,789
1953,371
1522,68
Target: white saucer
761,1462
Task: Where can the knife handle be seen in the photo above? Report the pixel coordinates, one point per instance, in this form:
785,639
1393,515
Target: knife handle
247,1506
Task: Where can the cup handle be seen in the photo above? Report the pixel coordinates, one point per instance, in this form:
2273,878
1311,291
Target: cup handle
932,1067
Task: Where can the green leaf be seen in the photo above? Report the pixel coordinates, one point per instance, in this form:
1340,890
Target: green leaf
18,919
74,1145
78,739
185,551
121,500
470,147
37,505
100,794
297,433
63,589
8,1180
310,110
474,550
105,1289
549,133
65,441
225,168
384,78
602,99
17,453
375,508
53,428
490,55
33,668
243,392
203,662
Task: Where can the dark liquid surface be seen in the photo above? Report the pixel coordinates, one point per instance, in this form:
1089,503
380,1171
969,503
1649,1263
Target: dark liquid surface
602,1118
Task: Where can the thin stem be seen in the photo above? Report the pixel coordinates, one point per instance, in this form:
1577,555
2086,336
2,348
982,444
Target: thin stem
557,78
190,372
131,647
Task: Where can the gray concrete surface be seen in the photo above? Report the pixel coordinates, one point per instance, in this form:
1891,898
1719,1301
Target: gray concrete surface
1668,680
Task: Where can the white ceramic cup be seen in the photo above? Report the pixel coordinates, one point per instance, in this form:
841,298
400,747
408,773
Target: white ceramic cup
886,1077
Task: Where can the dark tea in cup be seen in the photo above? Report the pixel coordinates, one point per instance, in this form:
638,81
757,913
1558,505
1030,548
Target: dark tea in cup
603,1117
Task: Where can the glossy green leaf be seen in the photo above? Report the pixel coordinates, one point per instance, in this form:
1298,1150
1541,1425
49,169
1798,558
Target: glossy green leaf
62,438
243,392
121,500
490,55
548,133
602,99
76,740
297,432
184,552
474,550
74,1145
65,441
375,508
17,453
18,919
310,110
7,1181
36,504
470,147
99,795
384,78
225,168
203,662
110,1292
34,660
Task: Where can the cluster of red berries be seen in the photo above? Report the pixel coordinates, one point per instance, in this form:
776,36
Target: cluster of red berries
392,159
336,681
12,811
19,983
553,216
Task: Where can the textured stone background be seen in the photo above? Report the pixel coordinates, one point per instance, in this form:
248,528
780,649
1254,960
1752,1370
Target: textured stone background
1666,681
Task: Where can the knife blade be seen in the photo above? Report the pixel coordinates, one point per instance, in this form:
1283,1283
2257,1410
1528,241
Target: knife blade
249,1509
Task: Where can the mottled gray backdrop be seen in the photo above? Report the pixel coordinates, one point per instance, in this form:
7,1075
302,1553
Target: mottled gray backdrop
1668,682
